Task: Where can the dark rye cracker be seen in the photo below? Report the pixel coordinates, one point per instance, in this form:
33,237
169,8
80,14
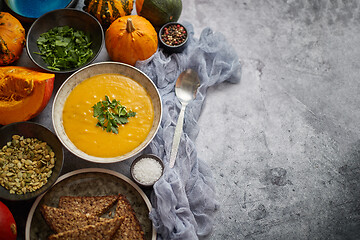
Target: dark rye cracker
60,220
99,231
94,205
130,229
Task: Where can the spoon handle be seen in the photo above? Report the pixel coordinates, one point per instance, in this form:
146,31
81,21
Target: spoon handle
177,135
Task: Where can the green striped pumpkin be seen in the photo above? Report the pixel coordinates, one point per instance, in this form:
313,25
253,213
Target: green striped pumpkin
159,12
107,11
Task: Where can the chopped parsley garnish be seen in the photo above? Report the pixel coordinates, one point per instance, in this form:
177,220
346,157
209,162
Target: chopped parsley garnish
111,114
64,48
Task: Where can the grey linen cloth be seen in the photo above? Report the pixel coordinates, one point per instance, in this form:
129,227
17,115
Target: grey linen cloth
184,199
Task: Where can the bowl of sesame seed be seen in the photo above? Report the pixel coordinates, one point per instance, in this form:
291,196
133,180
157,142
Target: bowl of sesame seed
173,37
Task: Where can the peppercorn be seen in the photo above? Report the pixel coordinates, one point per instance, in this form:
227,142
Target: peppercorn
174,35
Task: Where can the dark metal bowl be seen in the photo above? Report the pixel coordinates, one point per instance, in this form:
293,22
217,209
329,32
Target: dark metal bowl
173,48
152,156
76,19
33,130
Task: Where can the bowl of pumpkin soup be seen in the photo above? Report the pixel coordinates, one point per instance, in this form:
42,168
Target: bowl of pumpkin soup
107,112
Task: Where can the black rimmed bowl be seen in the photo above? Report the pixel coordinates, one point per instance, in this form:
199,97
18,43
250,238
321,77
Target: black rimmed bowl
77,19
32,130
30,10
173,37
146,177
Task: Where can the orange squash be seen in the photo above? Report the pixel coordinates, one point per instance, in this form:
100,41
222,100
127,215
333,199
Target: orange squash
12,38
24,93
131,38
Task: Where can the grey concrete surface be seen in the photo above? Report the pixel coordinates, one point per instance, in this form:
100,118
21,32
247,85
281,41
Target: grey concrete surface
284,143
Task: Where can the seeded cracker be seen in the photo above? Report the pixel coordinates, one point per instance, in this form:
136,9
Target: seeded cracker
61,220
94,205
130,229
104,231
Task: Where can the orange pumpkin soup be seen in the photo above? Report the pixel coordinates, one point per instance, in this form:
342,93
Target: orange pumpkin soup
80,124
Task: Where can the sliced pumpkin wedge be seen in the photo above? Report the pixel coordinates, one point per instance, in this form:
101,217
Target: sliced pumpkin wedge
24,93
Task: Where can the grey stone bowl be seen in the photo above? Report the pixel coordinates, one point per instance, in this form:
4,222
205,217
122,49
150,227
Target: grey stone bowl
32,130
92,70
90,182
74,18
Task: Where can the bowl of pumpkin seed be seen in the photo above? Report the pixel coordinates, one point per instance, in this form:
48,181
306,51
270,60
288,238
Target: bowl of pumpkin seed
31,160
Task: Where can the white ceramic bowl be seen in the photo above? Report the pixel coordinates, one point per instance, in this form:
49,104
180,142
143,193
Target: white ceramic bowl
92,70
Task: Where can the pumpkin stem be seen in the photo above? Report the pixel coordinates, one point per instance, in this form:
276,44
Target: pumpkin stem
130,26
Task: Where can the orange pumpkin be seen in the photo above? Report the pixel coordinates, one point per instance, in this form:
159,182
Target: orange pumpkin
131,38
24,93
12,38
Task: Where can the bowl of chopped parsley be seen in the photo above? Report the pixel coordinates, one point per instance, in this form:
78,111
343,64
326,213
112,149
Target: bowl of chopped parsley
64,40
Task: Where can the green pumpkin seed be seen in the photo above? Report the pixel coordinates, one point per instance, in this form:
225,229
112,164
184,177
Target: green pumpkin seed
25,164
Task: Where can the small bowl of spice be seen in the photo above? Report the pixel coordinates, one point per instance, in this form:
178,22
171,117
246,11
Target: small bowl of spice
31,159
147,169
173,37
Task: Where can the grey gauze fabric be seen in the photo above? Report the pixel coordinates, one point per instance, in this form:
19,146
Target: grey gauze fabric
184,199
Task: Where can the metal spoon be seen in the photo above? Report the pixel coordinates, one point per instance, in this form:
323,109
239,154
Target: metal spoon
185,89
